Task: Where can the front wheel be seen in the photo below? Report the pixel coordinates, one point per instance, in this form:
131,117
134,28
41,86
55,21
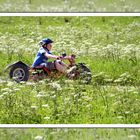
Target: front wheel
81,72
19,72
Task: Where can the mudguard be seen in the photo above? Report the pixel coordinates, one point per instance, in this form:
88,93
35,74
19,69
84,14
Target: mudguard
12,64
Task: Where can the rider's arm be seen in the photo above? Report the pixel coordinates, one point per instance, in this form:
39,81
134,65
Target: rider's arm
58,57
50,56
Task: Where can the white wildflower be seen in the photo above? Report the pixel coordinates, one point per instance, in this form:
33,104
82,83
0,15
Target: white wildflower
40,95
5,93
10,84
56,86
30,83
16,89
39,138
34,107
132,136
1,96
119,117
47,118
45,105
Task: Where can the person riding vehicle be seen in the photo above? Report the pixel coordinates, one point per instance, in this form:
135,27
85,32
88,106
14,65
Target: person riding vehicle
43,67
43,55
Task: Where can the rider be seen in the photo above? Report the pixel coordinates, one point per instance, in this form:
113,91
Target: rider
45,53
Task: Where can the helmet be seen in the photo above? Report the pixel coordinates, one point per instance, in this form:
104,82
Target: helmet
45,41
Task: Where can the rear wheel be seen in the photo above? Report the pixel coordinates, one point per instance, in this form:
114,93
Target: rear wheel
19,72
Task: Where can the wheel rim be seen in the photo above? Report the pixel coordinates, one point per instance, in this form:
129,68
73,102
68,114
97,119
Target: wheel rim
19,74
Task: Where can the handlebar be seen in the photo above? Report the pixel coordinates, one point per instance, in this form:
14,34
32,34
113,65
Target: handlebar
70,58
64,55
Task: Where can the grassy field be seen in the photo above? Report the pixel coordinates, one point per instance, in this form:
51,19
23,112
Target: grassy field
69,134
69,6
110,46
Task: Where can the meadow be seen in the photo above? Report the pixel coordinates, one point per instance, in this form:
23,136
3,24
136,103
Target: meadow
109,46
69,6
69,134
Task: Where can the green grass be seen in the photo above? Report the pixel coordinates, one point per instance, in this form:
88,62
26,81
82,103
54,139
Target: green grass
108,45
69,6
69,134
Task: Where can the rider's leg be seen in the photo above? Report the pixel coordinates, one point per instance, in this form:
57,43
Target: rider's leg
61,66
49,65
58,64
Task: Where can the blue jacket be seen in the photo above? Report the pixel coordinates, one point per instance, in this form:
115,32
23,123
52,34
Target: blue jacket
40,57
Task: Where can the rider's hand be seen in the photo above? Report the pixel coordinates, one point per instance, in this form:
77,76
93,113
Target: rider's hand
60,57
68,57
71,58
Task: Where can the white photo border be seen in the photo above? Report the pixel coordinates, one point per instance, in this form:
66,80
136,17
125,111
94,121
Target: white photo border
69,14
77,126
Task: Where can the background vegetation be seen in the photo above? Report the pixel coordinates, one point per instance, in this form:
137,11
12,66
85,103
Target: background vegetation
69,134
69,6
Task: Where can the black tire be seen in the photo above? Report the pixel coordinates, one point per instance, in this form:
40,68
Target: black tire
19,72
85,73
81,72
